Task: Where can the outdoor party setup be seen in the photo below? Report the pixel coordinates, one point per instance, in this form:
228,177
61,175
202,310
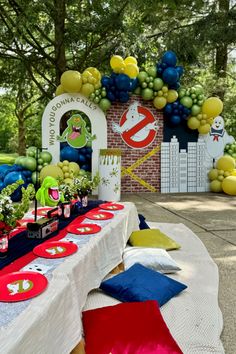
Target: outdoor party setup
92,273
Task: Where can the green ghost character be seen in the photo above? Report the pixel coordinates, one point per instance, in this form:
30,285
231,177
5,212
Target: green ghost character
48,194
76,133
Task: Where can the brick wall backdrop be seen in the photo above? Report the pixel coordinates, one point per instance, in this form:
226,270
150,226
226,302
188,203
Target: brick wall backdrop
149,170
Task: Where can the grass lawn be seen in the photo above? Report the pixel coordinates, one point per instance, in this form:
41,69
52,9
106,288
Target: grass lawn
7,158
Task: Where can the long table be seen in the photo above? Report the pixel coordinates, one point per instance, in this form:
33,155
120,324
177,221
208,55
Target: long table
51,323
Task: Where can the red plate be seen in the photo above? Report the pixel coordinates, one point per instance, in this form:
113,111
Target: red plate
55,249
42,211
84,229
19,286
111,206
99,215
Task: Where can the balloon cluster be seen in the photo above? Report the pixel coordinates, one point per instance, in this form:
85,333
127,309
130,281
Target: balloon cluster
117,87
33,162
169,71
81,156
204,113
153,88
99,97
10,174
126,66
223,177
176,112
85,83
63,170
230,149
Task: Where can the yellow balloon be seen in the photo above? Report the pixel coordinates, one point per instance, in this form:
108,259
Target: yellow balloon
94,72
51,170
204,129
86,76
212,107
130,60
172,96
71,81
87,89
226,163
131,70
116,62
60,90
159,102
193,123
233,173
229,185
216,186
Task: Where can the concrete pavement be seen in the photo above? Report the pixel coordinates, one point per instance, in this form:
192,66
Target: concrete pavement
212,217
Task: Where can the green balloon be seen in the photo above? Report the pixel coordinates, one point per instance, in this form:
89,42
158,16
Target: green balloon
45,156
137,91
152,71
142,76
19,160
198,89
144,84
150,85
186,101
195,110
96,99
147,94
200,102
33,177
158,84
181,93
29,163
104,104
31,151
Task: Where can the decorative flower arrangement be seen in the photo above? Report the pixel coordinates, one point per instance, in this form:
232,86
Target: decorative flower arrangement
81,186
11,212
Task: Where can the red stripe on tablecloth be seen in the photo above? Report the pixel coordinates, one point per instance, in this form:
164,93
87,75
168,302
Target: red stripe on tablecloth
29,257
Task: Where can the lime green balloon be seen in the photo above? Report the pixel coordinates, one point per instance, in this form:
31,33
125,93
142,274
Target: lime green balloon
45,156
142,76
147,94
29,163
34,176
195,110
51,170
137,91
104,104
181,93
198,89
186,101
216,186
19,160
158,84
152,71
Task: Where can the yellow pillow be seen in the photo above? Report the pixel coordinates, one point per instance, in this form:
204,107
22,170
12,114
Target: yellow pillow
152,238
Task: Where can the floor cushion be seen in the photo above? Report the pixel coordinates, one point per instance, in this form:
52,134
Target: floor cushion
152,238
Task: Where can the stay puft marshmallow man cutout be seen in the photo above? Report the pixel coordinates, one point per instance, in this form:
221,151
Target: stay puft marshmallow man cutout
133,117
217,138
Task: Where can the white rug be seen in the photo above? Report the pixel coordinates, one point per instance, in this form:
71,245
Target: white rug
193,317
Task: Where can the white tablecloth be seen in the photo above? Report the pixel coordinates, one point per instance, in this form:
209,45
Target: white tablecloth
51,324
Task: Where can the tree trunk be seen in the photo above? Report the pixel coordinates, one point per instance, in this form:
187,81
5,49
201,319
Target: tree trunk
59,23
21,133
222,49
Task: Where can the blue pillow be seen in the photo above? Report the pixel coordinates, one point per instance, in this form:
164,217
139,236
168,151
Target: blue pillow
139,283
142,223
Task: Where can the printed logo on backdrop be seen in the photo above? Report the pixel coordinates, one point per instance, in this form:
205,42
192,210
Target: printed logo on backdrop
137,126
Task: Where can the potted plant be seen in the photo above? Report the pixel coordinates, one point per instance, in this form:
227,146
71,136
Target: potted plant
11,212
83,186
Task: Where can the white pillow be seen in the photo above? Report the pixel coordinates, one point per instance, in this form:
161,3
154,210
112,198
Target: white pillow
154,258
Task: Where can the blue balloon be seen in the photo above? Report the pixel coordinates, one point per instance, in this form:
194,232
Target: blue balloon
170,76
133,84
169,58
111,96
2,185
123,97
123,82
89,150
164,66
175,119
176,104
180,70
168,109
106,81
69,153
14,176
82,158
86,167
176,111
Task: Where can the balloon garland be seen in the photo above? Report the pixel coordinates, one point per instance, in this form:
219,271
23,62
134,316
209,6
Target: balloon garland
159,83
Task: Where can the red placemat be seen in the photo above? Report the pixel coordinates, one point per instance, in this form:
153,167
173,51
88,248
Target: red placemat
84,229
55,249
19,286
111,206
99,215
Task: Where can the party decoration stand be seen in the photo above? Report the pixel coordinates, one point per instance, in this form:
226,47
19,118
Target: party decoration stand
110,174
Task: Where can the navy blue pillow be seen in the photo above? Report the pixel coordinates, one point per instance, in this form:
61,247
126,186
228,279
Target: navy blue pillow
139,283
142,223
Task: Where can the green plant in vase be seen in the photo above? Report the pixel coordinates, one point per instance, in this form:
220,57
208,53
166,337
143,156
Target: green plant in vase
84,185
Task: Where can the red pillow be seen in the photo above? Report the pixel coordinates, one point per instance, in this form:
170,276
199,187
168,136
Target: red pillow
128,328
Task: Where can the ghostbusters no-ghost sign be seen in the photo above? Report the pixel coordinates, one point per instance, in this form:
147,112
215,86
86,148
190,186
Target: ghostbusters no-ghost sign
137,126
